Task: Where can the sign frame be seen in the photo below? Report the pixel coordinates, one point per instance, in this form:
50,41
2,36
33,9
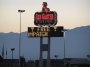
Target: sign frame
45,31
45,18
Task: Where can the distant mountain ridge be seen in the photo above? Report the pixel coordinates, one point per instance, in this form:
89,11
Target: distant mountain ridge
77,44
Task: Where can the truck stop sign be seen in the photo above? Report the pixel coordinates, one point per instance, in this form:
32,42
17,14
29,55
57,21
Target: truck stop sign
45,31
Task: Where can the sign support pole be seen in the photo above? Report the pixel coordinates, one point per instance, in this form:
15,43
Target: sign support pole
41,52
41,60
48,57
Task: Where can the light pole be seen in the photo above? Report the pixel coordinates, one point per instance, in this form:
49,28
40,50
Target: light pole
12,49
20,11
64,45
56,56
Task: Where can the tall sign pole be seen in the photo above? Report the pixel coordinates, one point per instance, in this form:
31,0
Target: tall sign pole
46,20
47,48
40,59
48,57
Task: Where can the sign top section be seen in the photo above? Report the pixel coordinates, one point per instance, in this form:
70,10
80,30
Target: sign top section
45,17
44,7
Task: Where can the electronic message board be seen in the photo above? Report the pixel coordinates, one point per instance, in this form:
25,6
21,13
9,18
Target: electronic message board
45,18
45,31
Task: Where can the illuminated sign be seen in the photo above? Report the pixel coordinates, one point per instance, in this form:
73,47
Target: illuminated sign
45,31
45,18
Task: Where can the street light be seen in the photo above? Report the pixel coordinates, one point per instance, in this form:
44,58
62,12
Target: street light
56,62
56,56
20,11
12,49
65,30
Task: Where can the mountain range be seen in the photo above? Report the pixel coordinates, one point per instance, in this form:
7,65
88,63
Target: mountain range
77,44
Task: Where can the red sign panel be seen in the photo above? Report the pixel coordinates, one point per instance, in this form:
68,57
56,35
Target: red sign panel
45,18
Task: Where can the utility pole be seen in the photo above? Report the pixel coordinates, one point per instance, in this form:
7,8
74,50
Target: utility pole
20,11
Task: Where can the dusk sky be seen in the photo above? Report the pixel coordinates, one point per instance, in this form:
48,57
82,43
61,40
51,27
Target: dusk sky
71,13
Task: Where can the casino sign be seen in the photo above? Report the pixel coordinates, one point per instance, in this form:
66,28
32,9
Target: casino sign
45,18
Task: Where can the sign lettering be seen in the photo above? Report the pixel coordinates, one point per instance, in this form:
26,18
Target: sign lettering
43,18
45,31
